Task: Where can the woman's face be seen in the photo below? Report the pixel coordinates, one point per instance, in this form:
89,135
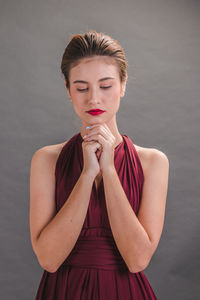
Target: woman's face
100,88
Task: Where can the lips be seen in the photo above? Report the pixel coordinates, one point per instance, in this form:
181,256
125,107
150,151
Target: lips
95,112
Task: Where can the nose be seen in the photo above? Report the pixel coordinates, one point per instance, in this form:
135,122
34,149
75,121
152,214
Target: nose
93,96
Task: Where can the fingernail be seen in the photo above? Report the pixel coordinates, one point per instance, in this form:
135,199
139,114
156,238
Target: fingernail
84,136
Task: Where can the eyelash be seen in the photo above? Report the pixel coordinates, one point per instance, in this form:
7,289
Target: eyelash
103,87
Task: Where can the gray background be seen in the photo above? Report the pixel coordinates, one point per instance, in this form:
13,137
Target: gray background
160,110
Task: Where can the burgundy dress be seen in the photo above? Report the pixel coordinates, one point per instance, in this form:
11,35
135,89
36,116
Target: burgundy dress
95,269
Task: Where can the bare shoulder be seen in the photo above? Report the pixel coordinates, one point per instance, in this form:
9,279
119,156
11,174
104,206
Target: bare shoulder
151,156
50,152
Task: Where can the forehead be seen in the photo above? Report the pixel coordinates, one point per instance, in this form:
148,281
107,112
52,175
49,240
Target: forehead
94,66
98,59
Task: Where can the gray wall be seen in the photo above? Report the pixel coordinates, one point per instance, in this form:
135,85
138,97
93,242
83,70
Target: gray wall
160,110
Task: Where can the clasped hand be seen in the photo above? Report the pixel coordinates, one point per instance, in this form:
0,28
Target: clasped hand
105,154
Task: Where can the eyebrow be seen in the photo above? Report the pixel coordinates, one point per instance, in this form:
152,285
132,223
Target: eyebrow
102,79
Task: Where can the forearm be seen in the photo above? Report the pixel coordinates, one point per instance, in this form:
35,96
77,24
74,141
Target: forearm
59,237
129,234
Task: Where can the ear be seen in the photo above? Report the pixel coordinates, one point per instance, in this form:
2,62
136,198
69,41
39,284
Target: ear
123,88
68,91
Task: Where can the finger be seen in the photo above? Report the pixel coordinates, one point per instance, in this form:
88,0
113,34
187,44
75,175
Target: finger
94,142
106,127
96,132
97,138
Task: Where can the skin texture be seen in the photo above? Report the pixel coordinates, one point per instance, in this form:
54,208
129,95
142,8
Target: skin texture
95,95
92,70
53,235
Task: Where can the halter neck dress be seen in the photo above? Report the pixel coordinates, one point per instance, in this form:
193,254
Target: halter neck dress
95,269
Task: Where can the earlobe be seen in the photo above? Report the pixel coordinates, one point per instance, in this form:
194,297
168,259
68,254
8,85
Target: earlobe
123,92
68,93
123,89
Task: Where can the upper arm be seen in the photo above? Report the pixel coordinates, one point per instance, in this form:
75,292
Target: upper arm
42,192
154,194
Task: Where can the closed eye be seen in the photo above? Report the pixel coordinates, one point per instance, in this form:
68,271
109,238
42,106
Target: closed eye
103,87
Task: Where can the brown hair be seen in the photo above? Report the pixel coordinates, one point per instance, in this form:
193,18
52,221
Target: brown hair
89,44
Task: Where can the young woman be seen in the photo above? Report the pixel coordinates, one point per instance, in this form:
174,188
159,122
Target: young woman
97,201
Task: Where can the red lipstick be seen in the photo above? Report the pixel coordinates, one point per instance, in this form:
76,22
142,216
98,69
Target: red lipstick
95,112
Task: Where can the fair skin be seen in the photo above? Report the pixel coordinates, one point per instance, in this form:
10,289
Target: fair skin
98,91
54,235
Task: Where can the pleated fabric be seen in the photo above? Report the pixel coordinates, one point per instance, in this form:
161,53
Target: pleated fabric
95,269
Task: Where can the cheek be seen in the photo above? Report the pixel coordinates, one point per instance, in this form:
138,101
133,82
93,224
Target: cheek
78,99
112,93
113,104
114,96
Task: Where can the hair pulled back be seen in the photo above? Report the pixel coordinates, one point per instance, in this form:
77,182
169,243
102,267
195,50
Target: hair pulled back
90,44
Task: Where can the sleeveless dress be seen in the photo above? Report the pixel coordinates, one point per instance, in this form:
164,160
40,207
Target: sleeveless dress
95,269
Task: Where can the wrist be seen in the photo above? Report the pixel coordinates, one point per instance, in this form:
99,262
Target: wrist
109,170
88,175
